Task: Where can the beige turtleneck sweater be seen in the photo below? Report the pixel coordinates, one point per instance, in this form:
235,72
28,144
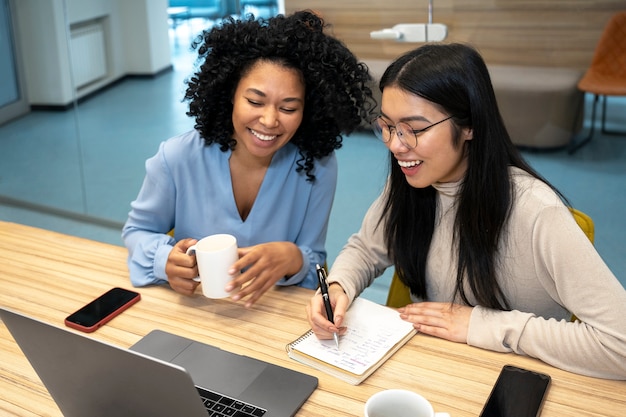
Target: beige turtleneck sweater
548,269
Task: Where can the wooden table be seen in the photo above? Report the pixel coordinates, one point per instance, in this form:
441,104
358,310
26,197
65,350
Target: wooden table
48,275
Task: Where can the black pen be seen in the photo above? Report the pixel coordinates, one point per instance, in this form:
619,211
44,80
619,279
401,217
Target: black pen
321,276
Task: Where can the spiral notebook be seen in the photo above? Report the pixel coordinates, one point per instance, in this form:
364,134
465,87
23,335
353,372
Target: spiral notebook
375,333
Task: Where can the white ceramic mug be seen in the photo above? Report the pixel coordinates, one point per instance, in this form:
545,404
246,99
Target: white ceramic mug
215,255
399,403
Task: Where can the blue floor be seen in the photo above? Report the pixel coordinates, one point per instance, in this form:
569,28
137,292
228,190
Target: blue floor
44,184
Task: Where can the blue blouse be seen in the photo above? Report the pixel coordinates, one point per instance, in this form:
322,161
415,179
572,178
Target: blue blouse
188,188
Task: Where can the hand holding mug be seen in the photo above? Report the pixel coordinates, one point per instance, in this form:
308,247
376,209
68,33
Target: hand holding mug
180,268
215,255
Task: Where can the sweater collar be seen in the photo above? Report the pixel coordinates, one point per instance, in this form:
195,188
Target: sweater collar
450,189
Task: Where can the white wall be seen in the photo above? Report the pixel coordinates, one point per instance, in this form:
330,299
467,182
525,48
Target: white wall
145,33
42,39
136,33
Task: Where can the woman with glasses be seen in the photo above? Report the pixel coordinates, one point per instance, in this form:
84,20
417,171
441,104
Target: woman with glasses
489,250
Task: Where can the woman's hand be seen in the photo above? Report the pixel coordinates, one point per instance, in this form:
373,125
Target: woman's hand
181,268
266,264
444,320
316,313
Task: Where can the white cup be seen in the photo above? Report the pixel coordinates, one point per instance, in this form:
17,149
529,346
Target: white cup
215,255
399,403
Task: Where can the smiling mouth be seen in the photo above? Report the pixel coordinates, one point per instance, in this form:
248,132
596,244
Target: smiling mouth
408,164
265,138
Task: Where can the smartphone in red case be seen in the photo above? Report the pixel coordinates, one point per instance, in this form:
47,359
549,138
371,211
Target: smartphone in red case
101,310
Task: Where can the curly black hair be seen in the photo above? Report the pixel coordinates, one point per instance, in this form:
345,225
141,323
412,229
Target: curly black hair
337,96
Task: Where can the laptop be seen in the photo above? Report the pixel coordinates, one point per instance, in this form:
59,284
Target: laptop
161,375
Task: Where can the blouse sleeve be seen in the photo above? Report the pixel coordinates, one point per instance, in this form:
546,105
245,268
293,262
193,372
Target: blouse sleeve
311,236
149,221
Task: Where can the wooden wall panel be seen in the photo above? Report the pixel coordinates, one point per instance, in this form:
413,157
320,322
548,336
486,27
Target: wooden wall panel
556,33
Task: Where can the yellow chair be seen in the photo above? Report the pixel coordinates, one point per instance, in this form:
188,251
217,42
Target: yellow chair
399,294
584,222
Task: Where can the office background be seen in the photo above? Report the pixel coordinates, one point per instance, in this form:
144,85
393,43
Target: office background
76,169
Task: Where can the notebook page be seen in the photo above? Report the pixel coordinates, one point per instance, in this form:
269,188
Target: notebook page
373,330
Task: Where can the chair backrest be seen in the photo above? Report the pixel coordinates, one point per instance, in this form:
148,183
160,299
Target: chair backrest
612,45
399,294
585,223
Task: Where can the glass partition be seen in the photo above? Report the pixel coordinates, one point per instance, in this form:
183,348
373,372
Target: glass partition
12,98
104,82
40,161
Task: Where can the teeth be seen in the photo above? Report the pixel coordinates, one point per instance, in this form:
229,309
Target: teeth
262,137
408,164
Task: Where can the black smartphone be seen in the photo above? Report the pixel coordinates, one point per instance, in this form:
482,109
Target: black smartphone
517,393
102,309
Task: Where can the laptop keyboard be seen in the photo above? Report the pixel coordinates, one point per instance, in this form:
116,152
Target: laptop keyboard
219,405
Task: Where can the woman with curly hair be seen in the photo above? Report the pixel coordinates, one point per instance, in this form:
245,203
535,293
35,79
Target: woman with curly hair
271,100
489,250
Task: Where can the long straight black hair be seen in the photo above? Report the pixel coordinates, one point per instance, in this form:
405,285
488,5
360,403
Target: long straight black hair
454,77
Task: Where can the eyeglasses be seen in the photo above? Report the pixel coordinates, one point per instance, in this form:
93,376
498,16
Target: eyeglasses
404,132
